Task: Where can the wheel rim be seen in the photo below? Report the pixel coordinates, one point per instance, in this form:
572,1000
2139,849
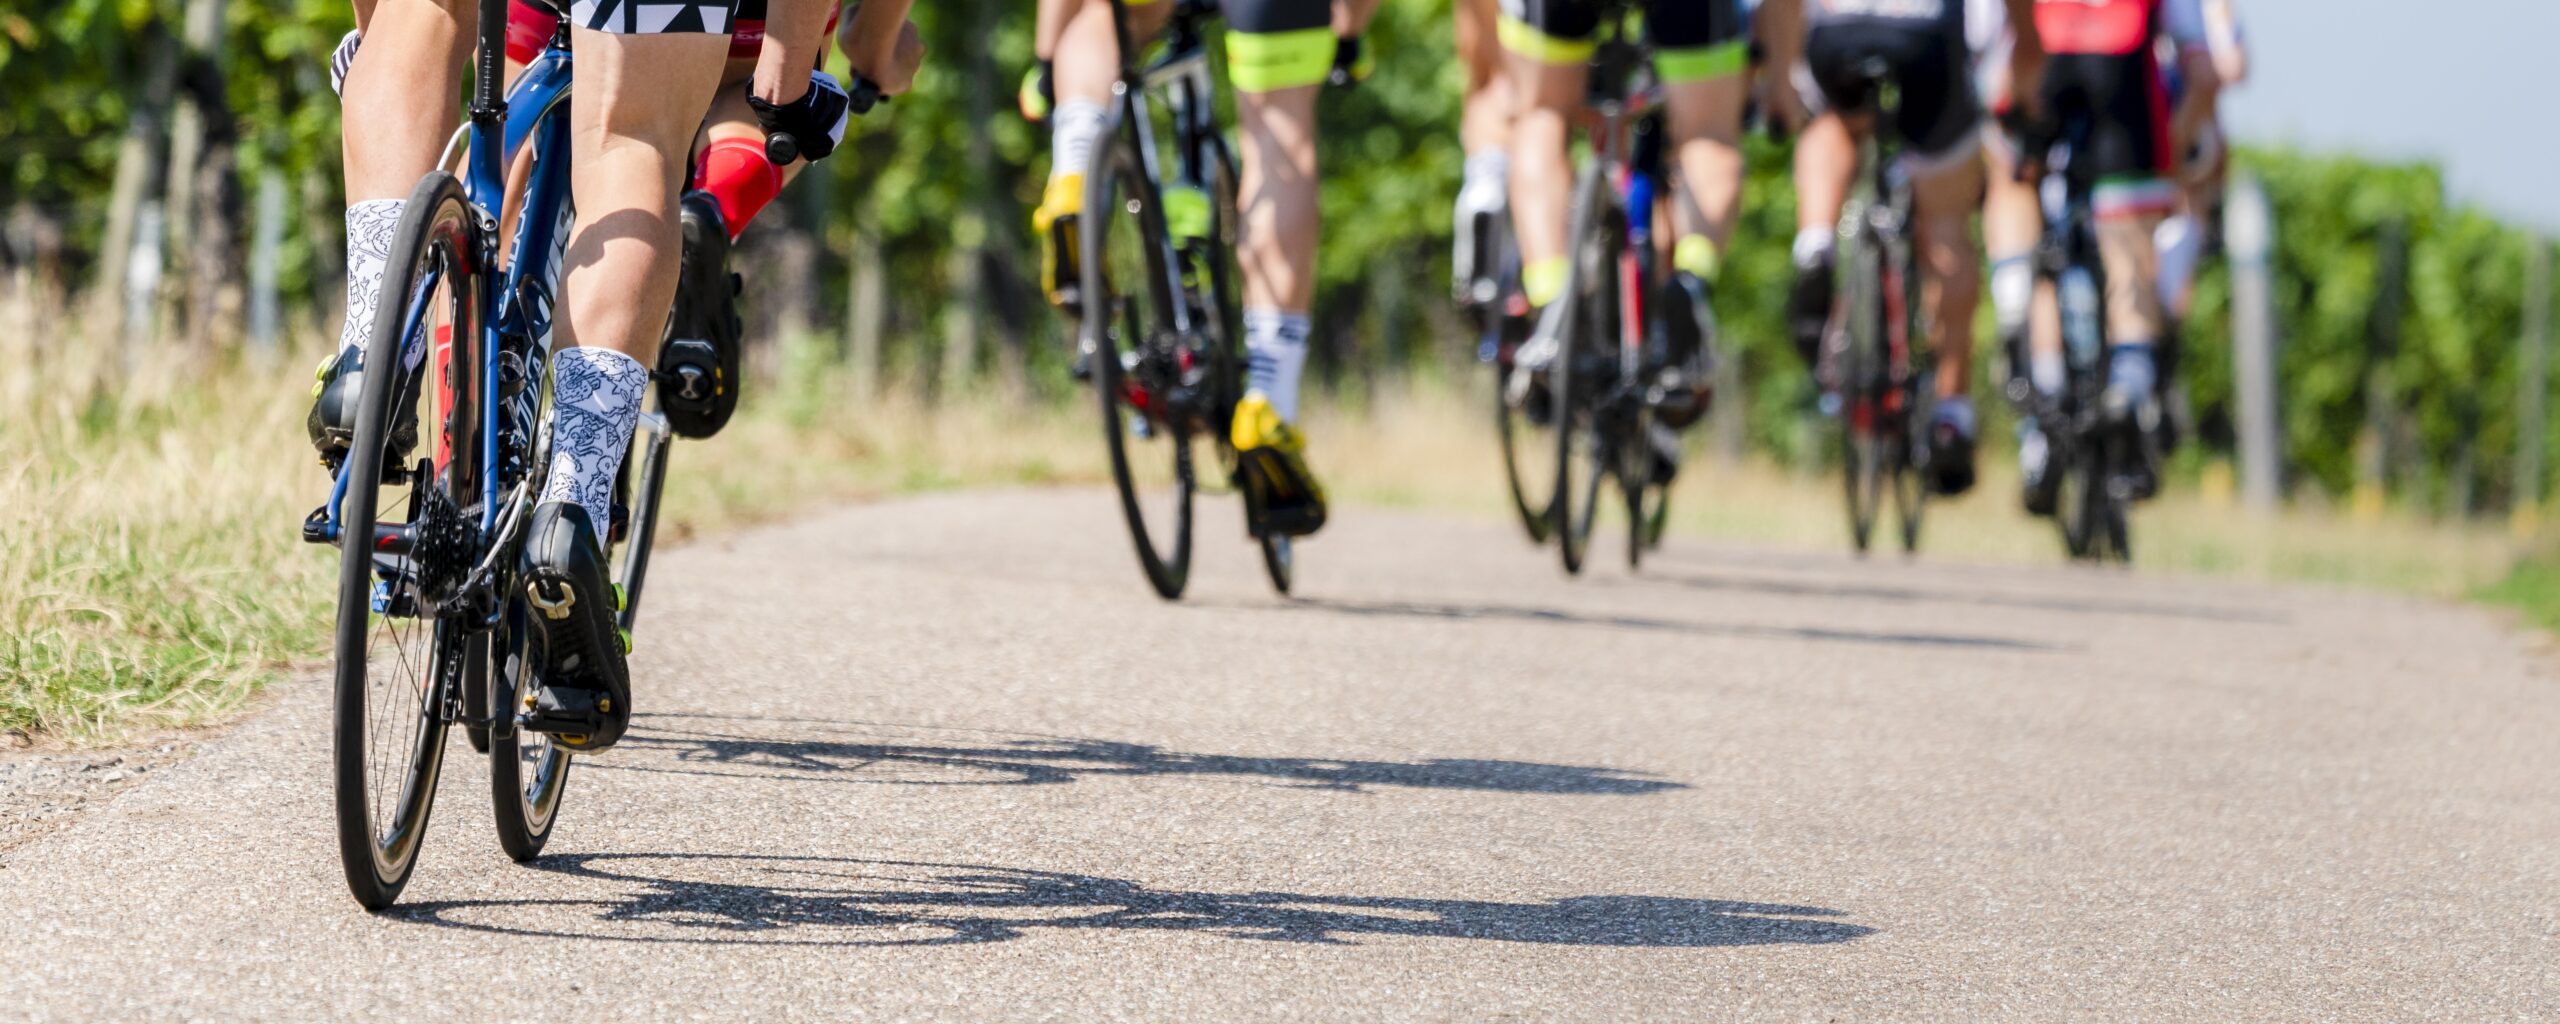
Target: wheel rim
540,768
1137,361
1528,449
408,663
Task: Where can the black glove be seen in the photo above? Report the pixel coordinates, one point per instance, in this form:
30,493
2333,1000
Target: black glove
1351,66
813,124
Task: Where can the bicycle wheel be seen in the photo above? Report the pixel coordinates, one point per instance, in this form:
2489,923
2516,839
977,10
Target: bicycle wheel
640,486
2077,493
1914,396
405,542
1226,311
1525,421
1862,433
527,772
1136,357
1585,363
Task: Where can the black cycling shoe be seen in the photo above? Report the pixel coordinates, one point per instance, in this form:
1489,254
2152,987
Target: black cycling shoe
585,696
698,364
332,422
1685,389
1809,306
1950,457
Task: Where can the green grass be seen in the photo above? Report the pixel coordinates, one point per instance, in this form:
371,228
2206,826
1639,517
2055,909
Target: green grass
2532,587
152,573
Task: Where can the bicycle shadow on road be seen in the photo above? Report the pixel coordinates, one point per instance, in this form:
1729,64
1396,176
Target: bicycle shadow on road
2078,604
800,749
695,899
1508,613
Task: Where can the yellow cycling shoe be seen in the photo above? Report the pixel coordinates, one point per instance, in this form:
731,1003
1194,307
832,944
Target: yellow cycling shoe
1281,494
1060,245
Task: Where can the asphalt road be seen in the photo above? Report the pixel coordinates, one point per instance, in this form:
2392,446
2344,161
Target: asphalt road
949,759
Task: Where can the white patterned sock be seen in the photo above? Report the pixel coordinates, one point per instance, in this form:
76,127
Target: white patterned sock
369,228
595,401
1075,131
1275,347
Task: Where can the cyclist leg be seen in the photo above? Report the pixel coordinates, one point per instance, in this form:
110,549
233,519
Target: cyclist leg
2129,156
1278,55
1701,57
1484,130
639,101
1941,124
1549,43
399,111
1086,64
1826,165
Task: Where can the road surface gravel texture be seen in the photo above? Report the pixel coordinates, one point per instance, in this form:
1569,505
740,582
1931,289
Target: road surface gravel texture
949,759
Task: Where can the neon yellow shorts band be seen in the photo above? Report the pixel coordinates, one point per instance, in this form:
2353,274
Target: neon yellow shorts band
1680,67
1271,61
1542,281
1524,39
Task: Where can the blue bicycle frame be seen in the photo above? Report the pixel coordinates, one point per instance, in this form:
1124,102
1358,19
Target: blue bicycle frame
522,296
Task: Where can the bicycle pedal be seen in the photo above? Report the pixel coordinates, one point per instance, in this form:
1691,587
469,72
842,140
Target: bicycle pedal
555,605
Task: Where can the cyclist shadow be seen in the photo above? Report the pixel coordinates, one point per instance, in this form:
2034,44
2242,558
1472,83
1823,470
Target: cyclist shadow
1509,613
840,901
799,749
1912,595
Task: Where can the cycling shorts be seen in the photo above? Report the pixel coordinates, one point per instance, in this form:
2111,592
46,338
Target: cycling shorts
1279,44
2125,105
1693,40
529,27
1926,58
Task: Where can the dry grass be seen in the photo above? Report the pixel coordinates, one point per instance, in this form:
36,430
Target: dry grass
152,574
1431,446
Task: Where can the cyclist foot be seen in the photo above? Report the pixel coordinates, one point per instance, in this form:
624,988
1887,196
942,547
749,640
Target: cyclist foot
1282,496
1951,431
698,366
1685,390
584,699
1054,223
332,422
1809,309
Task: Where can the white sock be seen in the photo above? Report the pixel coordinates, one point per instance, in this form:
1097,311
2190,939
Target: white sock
1812,244
1075,131
2045,371
2013,292
595,401
2132,369
369,227
1957,410
1275,346
1487,168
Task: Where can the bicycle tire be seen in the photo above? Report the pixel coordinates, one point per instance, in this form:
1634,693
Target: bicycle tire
1121,186
1916,391
436,239
2081,488
1226,309
1590,297
1521,435
1862,445
526,802
649,450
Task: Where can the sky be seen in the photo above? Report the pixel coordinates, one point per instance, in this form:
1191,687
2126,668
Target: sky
2467,83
